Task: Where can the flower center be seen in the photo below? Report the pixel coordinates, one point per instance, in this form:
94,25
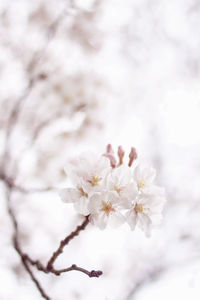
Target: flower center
94,180
141,184
138,208
84,194
117,189
107,208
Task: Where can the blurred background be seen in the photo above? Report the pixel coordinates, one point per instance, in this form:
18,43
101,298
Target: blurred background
75,76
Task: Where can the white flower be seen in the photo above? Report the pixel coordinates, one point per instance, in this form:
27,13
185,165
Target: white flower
92,170
108,195
78,196
120,181
144,178
105,209
87,175
146,212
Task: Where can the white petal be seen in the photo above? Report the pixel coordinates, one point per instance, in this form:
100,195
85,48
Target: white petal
111,196
95,203
116,219
122,175
100,220
82,206
103,165
144,222
130,191
146,174
125,203
111,181
131,218
149,174
137,174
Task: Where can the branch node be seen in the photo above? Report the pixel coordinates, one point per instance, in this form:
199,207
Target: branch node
94,273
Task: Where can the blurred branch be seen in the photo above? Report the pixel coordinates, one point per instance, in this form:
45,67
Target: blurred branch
151,276
156,273
73,267
26,259
64,242
18,248
9,182
32,80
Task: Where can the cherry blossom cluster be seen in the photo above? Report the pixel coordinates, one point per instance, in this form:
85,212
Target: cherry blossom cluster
111,192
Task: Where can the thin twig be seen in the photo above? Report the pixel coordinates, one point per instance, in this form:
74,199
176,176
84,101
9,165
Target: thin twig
10,183
92,273
26,259
18,248
49,267
56,272
64,242
11,186
25,263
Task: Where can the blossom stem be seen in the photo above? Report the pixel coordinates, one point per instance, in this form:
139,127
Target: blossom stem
64,242
73,267
26,266
18,247
92,273
27,260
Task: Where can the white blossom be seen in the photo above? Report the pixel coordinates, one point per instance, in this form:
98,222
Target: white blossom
78,196
120,181
114,195
87,175
144,177
105,209
92,170
145,212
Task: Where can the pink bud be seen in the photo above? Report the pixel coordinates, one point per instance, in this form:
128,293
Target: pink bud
110,154
121,155
109,149
132,156
112,159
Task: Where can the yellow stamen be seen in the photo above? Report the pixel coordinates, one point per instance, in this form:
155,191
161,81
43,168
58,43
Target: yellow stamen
141,184
117,189
107,208
84,194
94,180
138,208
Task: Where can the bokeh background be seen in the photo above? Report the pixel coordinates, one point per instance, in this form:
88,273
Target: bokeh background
82,74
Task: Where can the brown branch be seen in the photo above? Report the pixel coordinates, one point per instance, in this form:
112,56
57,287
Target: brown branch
49,267
32,80
12,120
26,259
73,267
11,186
64,242
92,273
10,183
18,248
25,263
